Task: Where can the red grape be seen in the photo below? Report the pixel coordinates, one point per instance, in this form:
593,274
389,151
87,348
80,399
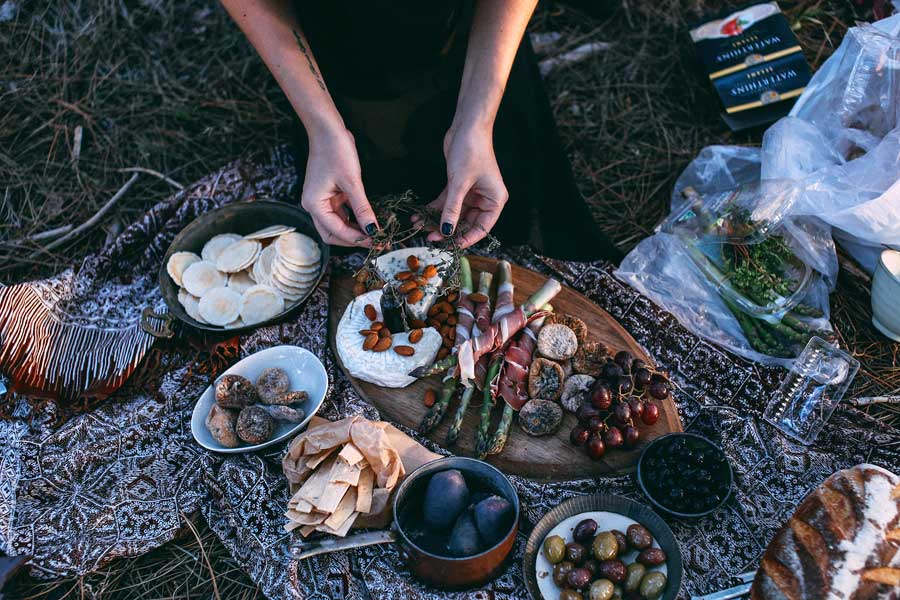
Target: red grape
651,414
632,435
579,435
595,447
585,413
637,407
642,377
613,437
623,359
658,390
622,411
601,396
596,425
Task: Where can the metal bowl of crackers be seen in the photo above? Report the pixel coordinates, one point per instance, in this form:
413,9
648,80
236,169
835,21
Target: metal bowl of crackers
239,267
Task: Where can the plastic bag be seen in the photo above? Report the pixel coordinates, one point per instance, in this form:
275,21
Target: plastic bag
829,170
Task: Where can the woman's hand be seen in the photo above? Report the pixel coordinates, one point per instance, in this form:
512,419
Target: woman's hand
475,193
333,188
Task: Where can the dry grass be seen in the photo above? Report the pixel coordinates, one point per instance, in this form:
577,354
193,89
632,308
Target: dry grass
174,87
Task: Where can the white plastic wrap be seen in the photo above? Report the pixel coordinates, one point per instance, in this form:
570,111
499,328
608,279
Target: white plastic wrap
831,168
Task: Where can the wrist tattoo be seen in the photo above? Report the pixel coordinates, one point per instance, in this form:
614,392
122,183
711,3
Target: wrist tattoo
309,60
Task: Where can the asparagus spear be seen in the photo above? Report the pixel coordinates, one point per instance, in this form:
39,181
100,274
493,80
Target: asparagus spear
550,288
484,289
487,406
436,413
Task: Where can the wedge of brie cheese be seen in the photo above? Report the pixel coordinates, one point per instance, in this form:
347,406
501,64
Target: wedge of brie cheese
388,265
387,368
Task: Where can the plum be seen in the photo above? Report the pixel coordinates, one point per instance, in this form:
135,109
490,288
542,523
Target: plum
464,537
493,517
445,498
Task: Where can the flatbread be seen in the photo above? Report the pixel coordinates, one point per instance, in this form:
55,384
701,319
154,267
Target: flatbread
220,306
178,262
202,276
238,256
191,305
235,324
289,292
213,248
285,273
240,282
269,232
298,249
262,268
261,303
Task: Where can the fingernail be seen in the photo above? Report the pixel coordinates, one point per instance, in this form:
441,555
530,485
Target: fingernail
370,228
446,228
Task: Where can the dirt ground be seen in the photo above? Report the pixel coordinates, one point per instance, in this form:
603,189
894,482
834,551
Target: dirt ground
92,88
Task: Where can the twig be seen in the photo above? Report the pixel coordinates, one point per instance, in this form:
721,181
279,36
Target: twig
37,237
157,174
869,400
90,222
212,573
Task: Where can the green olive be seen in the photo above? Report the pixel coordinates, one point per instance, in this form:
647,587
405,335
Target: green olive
560,570
554,549
570,595
652,585
605,546
602,589
633,576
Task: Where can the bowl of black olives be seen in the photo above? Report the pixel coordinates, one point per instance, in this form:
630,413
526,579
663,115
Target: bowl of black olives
685,475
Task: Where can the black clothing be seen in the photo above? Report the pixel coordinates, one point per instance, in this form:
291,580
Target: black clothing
394,71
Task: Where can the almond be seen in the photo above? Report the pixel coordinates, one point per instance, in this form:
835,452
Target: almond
366,331
441,317
384,332
415,335
403,275
361,276
359,289
376,325
404,350
421,281
445,306
429,271
430,398
370,311
433,310
478,298
407,286
382,345
445,330
412,262
451,320
443,353
414,296
434,323
452,334
418,323
370,342
452,296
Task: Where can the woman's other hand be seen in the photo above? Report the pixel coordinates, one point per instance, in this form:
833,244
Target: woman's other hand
475,194
333,190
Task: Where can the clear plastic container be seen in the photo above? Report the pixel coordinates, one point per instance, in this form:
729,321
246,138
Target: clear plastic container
811,390
729,236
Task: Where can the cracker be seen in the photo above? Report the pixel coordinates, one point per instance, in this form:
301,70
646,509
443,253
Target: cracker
290,276
298,249
240,282
202,276
269,232
213,248
261,303
262,268
178,262
351,454
364,490
220,306
238,256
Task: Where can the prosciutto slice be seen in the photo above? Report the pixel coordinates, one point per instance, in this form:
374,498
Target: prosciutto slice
491,340
465,317
512,383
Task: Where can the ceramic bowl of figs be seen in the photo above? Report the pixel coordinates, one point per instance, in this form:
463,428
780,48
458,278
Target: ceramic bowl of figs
600,548
261,400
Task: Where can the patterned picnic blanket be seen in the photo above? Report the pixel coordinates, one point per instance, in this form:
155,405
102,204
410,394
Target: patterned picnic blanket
116,479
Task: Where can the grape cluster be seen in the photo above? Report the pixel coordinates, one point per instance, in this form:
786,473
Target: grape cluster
620,399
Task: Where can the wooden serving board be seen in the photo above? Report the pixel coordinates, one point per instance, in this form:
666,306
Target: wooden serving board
549,457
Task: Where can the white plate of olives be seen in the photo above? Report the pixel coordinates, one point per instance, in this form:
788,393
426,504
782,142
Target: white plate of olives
593,549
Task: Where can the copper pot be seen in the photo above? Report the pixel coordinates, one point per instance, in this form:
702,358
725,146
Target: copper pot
434,569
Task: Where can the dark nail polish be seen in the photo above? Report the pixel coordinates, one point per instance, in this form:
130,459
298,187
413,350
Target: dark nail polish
446,228
370,229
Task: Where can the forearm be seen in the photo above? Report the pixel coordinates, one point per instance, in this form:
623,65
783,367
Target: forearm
497,30
273,29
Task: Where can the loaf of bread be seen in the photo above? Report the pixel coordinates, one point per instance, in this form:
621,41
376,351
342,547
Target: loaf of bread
841,543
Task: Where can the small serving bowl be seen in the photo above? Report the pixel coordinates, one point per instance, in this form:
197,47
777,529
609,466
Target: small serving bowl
241,218
305,371
885,291
660,443
617,511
